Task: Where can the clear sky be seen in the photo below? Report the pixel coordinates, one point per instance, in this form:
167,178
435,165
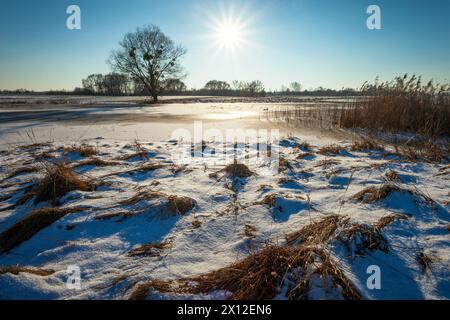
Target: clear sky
315,42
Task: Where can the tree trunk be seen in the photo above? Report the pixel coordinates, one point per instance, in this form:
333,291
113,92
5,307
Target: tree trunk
155,97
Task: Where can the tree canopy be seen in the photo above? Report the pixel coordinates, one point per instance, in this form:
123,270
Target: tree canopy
150,57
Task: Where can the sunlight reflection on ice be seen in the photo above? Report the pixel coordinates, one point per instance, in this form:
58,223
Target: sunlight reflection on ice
229,115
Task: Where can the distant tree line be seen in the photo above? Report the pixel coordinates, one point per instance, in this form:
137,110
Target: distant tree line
111,84
295,90
118,84
253,88
16,91
115,84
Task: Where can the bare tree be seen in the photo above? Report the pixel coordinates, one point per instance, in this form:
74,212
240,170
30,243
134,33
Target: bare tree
236,85
150,56
108,84
89,84
295,86
174,86
254,88
115,84
216,87
98,83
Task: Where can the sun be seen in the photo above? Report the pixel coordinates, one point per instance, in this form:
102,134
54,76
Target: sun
230,31
229,34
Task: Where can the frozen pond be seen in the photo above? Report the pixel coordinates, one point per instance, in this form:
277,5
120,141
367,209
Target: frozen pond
123,118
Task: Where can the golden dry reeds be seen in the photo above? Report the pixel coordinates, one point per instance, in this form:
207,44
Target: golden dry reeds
58,179
262,275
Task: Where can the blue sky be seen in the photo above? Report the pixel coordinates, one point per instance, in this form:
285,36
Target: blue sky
315,42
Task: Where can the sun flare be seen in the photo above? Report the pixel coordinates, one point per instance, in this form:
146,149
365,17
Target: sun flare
229,34
230,31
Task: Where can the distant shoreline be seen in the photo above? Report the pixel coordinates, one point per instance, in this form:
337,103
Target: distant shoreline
39,99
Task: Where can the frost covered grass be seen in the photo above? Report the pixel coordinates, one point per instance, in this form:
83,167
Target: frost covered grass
148,227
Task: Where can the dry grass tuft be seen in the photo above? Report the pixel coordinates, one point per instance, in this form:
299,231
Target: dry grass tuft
111,215
269,200
179,204
361,238
249,231
141,196
262,275
303,155
58,180
264,187
305,146
196,224
257,277
444,170
30,225
365,144
142,289
387,220
115,281
284,164
45,155
141,152
329,270
239,170
234,170
148,166
23,170
357,237
424,260
391,175
284,180
326,163
331,150
152,166
173,204
149,250
96,162
372,194
315,233
82,150
232,208
424,149
34,146
15,270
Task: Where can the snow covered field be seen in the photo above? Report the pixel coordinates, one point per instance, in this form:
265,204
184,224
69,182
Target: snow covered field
142,225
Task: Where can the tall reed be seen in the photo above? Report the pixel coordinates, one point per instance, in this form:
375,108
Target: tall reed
402,105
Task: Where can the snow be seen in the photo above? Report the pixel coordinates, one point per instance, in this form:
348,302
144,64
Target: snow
100,247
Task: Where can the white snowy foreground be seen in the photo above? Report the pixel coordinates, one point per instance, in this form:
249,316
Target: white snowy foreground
130,237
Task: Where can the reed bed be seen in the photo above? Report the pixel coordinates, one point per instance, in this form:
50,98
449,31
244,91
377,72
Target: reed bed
411,115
